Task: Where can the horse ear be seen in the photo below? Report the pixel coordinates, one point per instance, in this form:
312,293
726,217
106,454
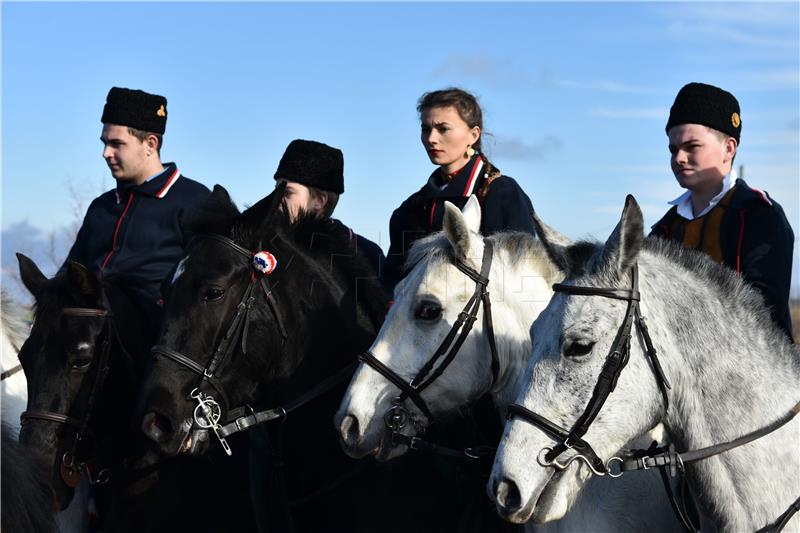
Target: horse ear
32,277
555,244
472,214
260,215
220,194
622,247
568,256
82,283
457,230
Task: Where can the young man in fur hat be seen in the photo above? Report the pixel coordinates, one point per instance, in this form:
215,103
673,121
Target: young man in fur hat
133,232
737,225
314,176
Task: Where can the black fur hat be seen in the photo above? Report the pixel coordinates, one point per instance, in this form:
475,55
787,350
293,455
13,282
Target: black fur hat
135,108
698,103
314,164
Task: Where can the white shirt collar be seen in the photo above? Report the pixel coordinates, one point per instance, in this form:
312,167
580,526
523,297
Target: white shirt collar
684,201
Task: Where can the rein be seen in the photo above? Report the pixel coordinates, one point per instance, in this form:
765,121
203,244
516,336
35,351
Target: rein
10,372
398,416
72,468
617,359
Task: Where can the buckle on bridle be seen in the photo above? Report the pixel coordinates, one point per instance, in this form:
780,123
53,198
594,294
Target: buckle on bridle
396,417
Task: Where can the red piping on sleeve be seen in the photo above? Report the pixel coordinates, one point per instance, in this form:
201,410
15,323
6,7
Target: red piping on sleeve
116,232
741,239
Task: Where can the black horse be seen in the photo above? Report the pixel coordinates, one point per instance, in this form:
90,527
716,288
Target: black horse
246,330
80,420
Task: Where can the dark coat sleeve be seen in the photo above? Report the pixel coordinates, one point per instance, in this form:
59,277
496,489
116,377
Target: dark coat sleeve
407,224
507,208
766,259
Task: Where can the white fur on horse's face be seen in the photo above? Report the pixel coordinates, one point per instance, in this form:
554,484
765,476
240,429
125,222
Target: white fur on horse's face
404,344
519,289
559,388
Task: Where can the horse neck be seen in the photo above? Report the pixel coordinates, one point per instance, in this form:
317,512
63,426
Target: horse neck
524,290
730,376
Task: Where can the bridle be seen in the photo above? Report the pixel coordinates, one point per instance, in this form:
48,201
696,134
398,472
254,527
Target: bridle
665,459
208,413
615,362
72,467
398,415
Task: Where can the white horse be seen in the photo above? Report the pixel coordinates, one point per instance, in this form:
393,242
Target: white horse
731,372
427,303
14,331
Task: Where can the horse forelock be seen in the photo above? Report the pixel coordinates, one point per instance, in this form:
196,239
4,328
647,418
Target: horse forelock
519,246
215,215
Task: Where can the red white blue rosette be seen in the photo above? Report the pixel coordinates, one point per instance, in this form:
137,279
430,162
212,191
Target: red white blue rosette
264,262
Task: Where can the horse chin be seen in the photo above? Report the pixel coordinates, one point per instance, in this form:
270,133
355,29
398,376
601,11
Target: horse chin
558,495
386,450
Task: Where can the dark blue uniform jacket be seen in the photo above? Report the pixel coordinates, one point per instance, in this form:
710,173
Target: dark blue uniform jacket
756,241
134,233
504,207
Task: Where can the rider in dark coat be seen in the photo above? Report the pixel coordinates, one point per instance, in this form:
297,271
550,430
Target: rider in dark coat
737,225
504,206
314,176
133,232
451,123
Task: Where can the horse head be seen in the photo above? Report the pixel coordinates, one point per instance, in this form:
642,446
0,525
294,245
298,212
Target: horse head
430,303
210,318
256,298
65,360
572,339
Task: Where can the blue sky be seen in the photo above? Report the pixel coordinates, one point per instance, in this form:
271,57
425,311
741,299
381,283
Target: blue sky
576,96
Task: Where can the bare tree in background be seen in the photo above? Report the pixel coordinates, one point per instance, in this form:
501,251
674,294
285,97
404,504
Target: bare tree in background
58,241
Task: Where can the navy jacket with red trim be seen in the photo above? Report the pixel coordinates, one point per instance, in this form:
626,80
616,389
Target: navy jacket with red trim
757,241
505,207
134,233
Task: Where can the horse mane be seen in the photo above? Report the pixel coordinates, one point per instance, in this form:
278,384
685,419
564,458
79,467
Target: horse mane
14,326
320,238
518,245
27,501
723,280
214,215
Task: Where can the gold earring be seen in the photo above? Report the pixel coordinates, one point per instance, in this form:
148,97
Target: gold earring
469,153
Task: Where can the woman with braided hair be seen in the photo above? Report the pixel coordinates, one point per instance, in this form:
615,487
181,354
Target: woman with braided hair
451,127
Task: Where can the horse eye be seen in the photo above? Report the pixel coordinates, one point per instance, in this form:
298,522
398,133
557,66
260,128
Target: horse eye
577,349
213,294
427,310
82,364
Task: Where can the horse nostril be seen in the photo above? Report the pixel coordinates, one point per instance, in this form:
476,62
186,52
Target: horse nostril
507,495
348,431
156,426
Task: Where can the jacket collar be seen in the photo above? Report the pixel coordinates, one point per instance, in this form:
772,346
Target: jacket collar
743,197
157,186
463,184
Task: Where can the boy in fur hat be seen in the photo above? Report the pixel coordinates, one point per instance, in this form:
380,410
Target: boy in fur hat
133,232
737,225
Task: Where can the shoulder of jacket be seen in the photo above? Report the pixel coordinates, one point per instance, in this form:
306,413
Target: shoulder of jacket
746,194
666,219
